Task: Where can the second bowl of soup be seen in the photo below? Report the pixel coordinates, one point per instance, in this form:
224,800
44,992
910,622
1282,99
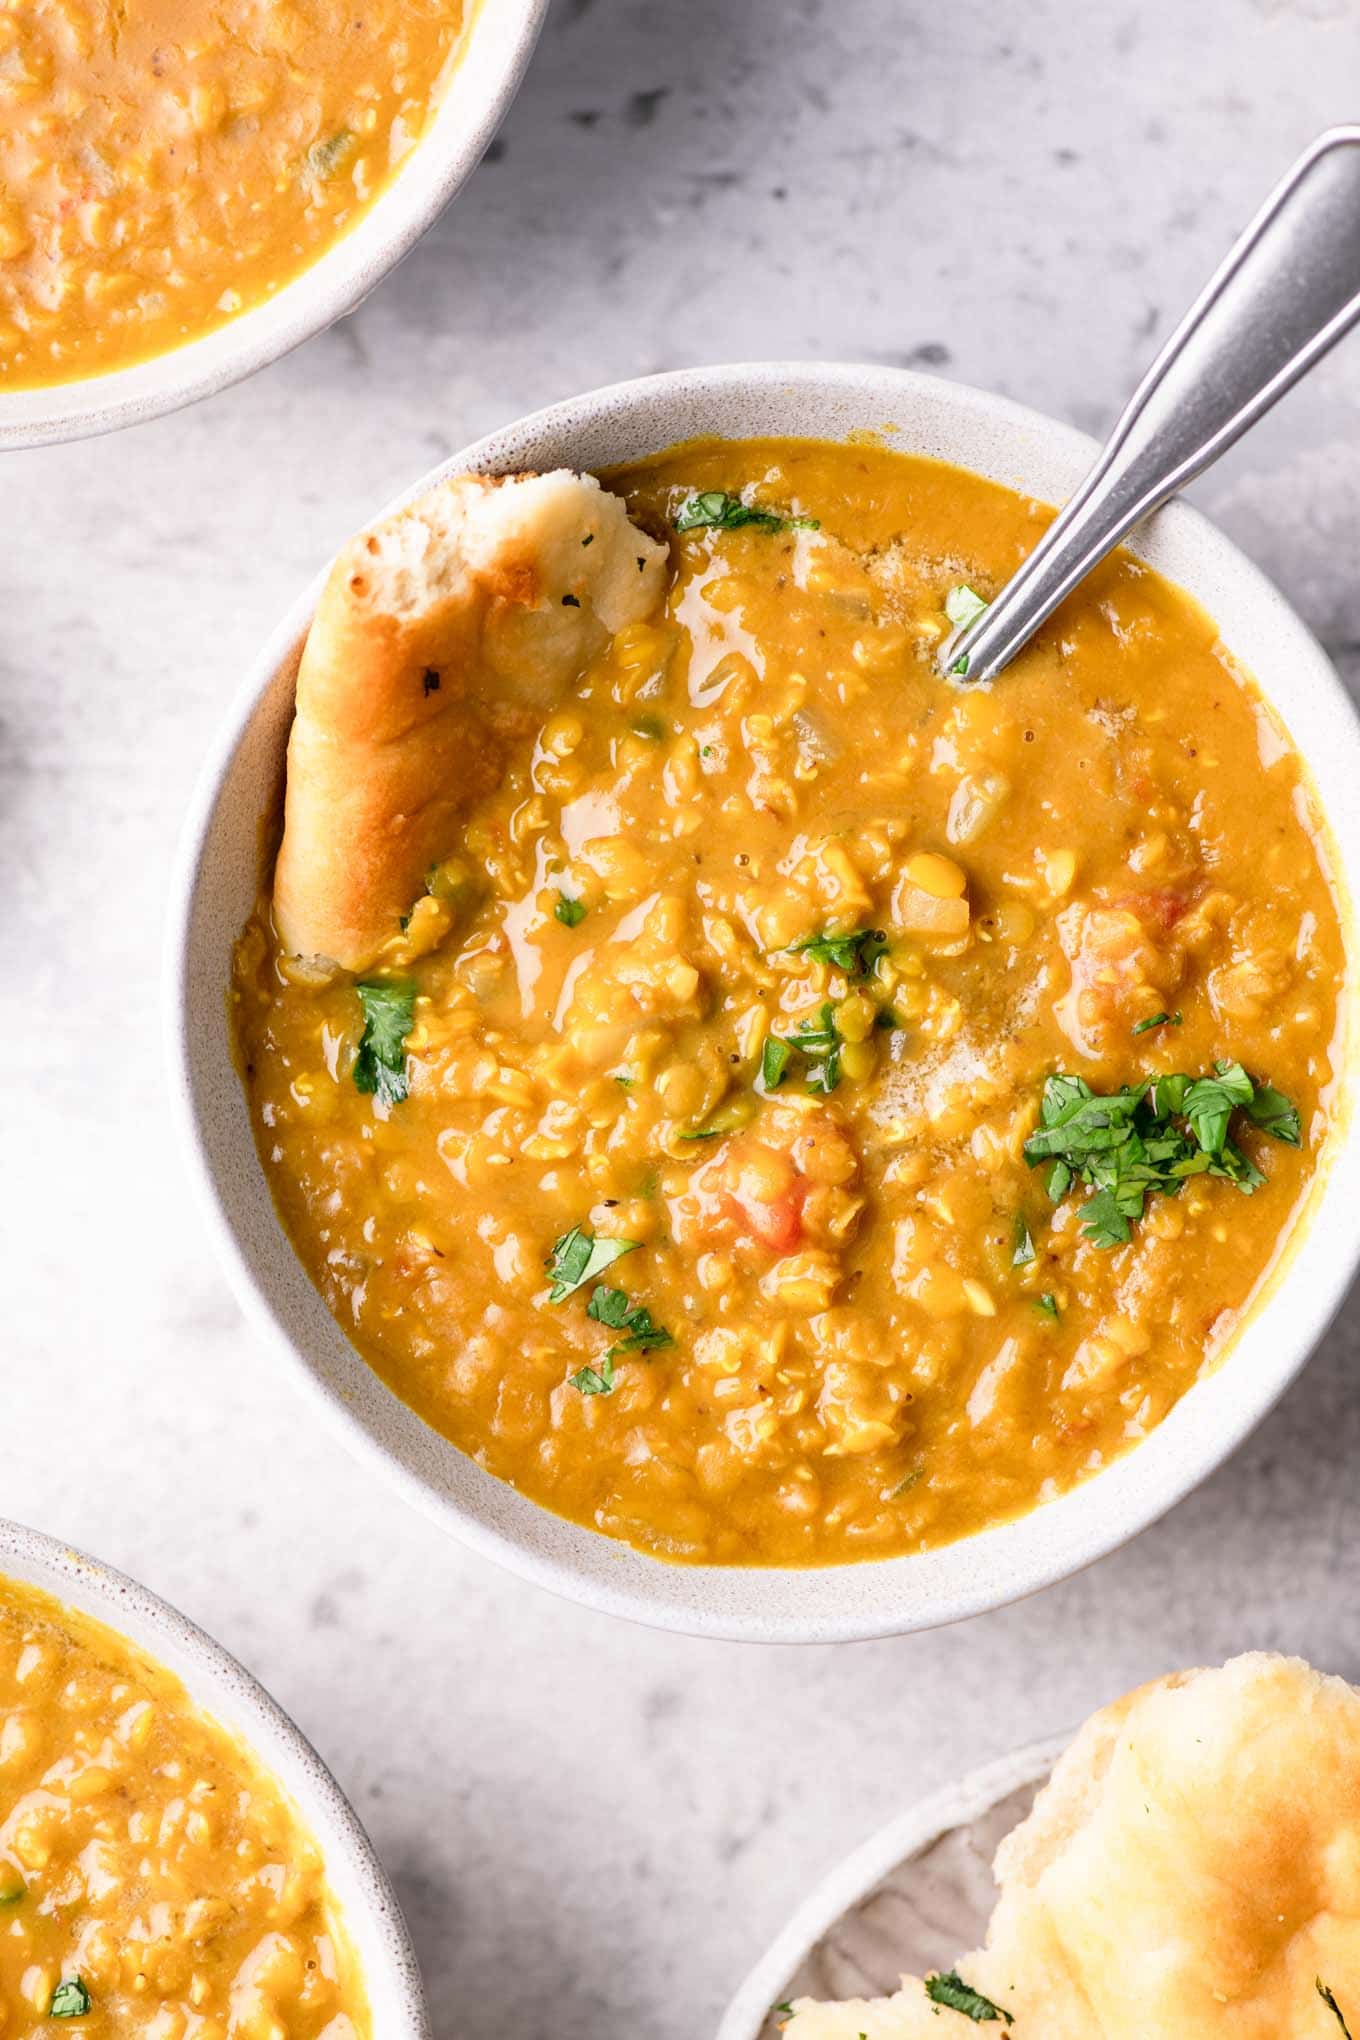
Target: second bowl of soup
187,191
174,1858
737,1092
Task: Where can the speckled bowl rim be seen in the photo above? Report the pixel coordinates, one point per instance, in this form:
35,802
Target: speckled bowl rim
483,82
875,1597
857,1876
224,1689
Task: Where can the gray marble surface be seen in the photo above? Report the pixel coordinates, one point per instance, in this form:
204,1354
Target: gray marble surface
595,1828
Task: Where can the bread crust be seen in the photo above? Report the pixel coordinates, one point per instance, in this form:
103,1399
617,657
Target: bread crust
442,637
1190,1872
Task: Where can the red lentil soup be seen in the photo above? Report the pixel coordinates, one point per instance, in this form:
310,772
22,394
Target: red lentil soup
842,1108
154,1880
165,166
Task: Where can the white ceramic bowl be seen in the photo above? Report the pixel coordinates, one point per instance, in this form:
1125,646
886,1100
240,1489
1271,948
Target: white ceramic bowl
500,42
213,893
225,1690
912,1899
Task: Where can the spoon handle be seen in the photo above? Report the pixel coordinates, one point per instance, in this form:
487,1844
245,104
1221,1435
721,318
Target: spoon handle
1287,292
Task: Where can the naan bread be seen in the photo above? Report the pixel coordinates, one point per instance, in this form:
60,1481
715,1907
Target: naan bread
907,2015
1191,1872
443,635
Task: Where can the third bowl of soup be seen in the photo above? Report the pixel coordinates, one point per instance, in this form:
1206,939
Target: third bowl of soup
174,1857
187,191
746,1125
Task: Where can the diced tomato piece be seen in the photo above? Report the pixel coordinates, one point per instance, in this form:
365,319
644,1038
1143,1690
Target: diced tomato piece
1158,908
776,1223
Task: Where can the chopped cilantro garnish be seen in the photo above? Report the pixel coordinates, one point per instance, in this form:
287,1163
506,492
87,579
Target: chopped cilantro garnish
1047,1305
1159,1020
1210,1102
732,1112
1273,1113
594,1380
715,509
380,1065
12,1886
1150,1137
963,605
820,1046
1022,1250
783,2011
649,726
855,952
1333,2007
578,1256
774,1062
816,1042
951,1991
569,912
641,1332
70,1999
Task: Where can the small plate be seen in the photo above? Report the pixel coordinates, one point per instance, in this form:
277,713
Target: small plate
912,1899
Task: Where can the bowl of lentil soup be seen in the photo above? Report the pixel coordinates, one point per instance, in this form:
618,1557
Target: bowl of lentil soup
174,1856
865,1334
186,196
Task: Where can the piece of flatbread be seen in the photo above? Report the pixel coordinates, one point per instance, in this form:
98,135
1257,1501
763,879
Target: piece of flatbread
443,635
907,2015
1190,1872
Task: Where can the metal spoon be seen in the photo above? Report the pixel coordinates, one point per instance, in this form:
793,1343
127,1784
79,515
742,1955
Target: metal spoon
1287,292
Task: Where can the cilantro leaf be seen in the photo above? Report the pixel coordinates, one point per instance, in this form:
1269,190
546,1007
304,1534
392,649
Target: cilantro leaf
963,605
1333,2007
642,1334
380,1065
855,952
1211,1101
1022,1252
1273,1113
1150,1137
569,912
714,509
1159,1020
1105,1220
774,1062
70,2000
1047,1305
577,1256
594,1380
820,1046
951,1991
